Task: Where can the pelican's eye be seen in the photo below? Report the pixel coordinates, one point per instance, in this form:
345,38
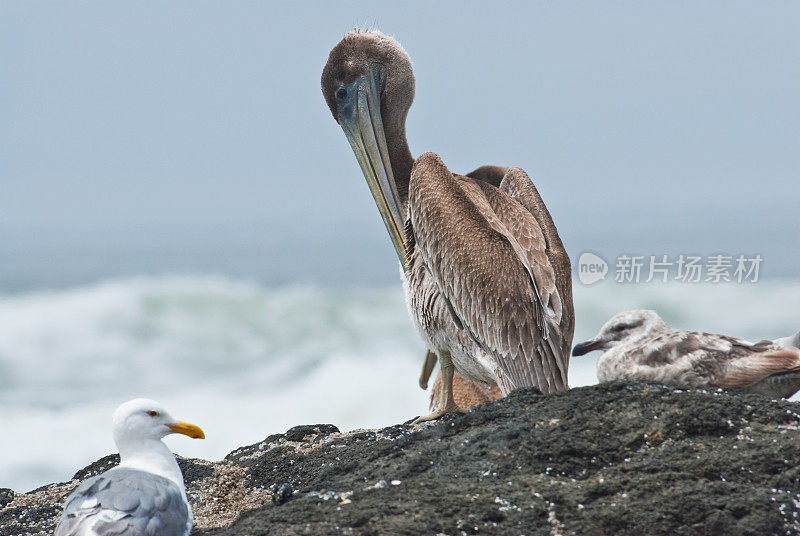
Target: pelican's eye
341,93
153,413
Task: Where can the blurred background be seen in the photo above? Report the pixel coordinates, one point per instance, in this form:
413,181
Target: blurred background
182,219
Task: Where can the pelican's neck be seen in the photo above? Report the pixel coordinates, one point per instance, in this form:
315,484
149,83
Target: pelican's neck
152,456
399,155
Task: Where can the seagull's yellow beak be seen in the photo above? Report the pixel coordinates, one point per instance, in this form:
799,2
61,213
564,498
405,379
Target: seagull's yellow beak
187,429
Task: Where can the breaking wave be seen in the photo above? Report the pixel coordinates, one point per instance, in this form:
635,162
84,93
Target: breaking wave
244,360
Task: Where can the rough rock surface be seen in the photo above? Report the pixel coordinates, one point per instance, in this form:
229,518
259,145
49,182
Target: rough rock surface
611,459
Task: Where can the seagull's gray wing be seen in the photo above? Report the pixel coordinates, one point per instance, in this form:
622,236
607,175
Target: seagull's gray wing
125,502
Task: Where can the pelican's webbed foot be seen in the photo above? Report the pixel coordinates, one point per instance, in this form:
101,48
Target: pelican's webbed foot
447,403
439,413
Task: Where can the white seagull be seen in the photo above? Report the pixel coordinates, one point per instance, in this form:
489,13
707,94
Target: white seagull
640,345
145,494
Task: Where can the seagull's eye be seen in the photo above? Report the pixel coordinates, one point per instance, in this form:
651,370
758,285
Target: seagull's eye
341,93
153,413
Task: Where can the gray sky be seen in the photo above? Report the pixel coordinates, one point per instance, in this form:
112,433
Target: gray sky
188,136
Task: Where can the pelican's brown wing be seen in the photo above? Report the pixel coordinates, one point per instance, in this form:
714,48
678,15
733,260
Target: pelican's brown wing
486,254
518,185
525,229
489,174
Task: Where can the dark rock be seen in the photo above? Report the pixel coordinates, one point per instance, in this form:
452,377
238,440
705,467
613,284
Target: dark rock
250,450
28,519
192,471
302,432
611,459
6,496
100,466
281,492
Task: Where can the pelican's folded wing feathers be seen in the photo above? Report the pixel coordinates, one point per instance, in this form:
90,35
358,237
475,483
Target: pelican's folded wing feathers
486,254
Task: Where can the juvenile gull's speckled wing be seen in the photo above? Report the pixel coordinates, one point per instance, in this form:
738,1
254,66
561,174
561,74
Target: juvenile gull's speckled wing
486,254
125,502
725,361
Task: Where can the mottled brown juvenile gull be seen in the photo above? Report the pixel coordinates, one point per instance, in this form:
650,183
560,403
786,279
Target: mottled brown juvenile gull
640,345
486,276
145,494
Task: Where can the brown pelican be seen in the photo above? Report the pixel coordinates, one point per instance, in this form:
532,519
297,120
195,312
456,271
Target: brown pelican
639,345
486,277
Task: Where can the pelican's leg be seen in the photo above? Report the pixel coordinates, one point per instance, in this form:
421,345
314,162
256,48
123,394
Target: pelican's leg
427,369
447,403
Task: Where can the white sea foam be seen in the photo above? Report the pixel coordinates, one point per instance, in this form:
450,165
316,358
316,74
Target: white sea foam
244,361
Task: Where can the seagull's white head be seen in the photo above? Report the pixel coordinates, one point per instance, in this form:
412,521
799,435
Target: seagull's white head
142,419
621,327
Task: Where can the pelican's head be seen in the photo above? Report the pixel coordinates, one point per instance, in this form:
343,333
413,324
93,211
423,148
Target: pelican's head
143,420
622,326
368,84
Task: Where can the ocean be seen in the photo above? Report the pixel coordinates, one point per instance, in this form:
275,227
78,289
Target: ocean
244,359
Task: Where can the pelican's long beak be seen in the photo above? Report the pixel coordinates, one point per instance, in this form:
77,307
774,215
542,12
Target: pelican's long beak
187,429
588,346
360,118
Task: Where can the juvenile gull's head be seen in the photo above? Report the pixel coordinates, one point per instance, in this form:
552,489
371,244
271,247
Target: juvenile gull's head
623,326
